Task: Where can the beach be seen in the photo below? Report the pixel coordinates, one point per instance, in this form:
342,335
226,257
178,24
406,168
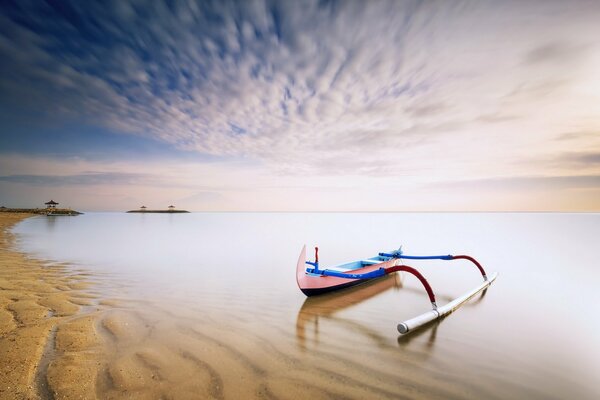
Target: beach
60,340
46,315
134,306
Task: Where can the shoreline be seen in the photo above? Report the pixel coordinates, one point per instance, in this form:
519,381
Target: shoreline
158,211
40,211
45,351
61,339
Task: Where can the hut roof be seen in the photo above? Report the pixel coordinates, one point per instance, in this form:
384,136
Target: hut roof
51,202
171,206
143,207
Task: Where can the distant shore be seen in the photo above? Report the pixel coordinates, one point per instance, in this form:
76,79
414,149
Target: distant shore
41,211
158,211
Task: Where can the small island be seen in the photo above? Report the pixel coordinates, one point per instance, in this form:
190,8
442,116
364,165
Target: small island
50,210
170,210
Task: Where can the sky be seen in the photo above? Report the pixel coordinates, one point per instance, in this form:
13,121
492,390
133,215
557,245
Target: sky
301,105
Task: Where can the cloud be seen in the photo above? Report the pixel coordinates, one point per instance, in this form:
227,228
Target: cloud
203,197
496,118
529,183
91,178
262,79
589,158
424,110
579,135
553,53
255,79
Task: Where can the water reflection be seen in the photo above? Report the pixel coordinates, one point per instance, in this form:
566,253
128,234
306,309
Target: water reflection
50,222
325,307
314,308
429,329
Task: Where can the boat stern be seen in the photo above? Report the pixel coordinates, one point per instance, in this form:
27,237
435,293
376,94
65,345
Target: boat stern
301,267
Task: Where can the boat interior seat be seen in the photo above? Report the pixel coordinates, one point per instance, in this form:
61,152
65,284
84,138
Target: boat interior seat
339,269
371,262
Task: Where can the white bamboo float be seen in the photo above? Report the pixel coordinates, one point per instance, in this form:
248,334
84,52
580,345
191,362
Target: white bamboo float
425,318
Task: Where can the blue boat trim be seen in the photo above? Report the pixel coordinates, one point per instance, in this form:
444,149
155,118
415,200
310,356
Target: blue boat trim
378,273
400,255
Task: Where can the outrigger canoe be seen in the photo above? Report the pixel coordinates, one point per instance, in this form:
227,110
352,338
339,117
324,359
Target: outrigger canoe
313,280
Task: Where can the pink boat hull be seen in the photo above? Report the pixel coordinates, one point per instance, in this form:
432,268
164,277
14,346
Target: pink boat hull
312,285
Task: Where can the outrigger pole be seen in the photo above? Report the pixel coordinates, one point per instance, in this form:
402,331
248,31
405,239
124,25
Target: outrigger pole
420,320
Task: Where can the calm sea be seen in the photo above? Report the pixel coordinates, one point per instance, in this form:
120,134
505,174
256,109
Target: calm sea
230,279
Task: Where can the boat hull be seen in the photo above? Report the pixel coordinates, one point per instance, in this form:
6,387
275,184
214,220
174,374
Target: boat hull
323,290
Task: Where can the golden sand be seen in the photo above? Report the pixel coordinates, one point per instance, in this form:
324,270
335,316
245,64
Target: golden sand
41,321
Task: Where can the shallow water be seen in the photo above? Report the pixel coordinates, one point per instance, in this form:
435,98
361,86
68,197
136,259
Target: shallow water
218,291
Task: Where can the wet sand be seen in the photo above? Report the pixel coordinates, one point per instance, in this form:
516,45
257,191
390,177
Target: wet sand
59,339
46,347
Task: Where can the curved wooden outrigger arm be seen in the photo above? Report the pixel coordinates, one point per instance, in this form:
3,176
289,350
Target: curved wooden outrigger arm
474,261
439,312
417,274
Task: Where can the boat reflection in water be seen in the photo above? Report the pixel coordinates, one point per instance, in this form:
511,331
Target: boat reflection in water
432,327
327,306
